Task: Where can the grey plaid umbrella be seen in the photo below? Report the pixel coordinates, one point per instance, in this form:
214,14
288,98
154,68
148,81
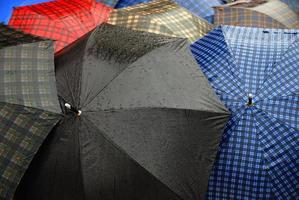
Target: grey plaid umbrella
141,122
28,103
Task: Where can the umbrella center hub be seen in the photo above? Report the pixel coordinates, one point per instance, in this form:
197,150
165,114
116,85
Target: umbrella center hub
250,100
73,109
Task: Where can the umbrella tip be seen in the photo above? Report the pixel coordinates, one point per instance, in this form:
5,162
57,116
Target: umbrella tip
250,100
78,112
67,105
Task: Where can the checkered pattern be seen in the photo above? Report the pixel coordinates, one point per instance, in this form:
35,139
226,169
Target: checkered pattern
27,71
202,8
22,131
269,14
258,156
63,21
162,17
26,78
10,37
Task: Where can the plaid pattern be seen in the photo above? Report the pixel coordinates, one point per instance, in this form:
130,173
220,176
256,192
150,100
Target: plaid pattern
202,8
161,17
22,131
258,156
10,37
269,14
27,71
63,21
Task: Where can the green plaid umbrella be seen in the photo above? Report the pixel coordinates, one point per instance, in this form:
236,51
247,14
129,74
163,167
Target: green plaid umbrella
161,17
28,103
258,13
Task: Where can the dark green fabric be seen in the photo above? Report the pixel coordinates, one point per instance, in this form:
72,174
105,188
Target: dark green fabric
27,72
9,37
22,131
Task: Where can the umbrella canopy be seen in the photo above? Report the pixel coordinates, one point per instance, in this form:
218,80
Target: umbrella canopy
6,7
293,4
259,13
127,3
255,72
149,127
122,3
201,8
28,103
161,17
62,20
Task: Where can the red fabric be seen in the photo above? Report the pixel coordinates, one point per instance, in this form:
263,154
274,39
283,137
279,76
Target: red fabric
62,20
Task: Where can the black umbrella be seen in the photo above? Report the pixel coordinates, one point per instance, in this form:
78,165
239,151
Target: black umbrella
141,122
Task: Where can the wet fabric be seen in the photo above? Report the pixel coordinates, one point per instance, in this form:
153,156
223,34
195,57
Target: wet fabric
28,103
63,21
265,14
259,150
201,8
162,17
150,124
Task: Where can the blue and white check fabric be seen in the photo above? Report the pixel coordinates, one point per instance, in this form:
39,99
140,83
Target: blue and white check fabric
259,153
126,3
201,8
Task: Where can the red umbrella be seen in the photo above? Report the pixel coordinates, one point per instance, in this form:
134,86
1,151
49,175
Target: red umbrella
62,20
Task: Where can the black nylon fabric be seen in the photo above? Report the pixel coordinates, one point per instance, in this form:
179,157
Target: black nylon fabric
107,171
150,124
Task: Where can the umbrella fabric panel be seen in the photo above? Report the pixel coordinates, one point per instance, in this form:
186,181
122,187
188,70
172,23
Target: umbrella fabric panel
22,131
126,3
202,8
27,72
293,4
281,12
63,21
103,169
161,17
258,150
244,17
110,3
270,14
99,52
11,37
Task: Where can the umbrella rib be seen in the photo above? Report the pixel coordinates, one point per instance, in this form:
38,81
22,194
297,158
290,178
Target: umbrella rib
105,86
69,87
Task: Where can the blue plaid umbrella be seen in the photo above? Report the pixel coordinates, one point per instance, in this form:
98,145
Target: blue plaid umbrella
255,72
201,8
